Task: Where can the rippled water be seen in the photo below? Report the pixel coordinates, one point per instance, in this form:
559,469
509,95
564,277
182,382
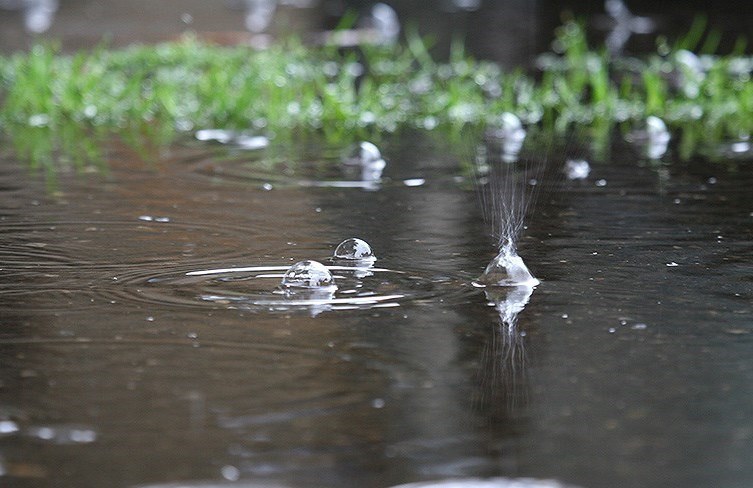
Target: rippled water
143,343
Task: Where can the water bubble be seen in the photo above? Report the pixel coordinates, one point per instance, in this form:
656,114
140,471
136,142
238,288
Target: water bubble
8,427
366,153
656,129
653,138
577,169
259,14
365,164
386,23
218,135
508,130
354,249
308,274
507,269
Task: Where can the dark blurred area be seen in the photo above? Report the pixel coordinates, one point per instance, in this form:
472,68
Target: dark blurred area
507,31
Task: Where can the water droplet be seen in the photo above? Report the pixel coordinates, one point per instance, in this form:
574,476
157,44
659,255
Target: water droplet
367,153
218,135
507,269
414,182
385,21
354,249
230,473
308,274
672,264
577,169
8,427
39,120
509,132
601,183
612,330
639,326
378,403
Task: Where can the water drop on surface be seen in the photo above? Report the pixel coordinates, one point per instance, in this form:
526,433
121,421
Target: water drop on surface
354,249
507,269
308,274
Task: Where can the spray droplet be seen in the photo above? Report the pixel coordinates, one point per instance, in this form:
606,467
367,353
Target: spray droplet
354,249
308,274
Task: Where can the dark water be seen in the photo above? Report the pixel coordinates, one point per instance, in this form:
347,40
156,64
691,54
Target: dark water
630,366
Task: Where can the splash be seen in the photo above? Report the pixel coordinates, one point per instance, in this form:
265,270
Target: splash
507,269
508,191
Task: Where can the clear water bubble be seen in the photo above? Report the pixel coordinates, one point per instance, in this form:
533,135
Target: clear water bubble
308,275
222,136
259,14
366,153
385,21
365,165
577,169
653,138
354,249
508,130
656,129
507,269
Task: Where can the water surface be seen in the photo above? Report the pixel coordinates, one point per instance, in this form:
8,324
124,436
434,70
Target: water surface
629,365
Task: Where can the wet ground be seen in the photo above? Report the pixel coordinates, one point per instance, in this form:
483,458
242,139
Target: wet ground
629,366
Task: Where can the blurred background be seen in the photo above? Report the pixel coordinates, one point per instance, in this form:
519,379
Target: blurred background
507,31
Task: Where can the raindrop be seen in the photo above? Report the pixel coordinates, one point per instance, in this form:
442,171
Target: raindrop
354,249
601,182
308,274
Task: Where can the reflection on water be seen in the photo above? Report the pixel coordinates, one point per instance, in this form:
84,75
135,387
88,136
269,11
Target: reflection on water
136,344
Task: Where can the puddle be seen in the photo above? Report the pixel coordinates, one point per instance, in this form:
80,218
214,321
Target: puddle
145,328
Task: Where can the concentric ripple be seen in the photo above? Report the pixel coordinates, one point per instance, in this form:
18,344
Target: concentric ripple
257,289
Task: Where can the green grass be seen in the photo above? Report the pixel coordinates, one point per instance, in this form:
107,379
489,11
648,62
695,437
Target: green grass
53,106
